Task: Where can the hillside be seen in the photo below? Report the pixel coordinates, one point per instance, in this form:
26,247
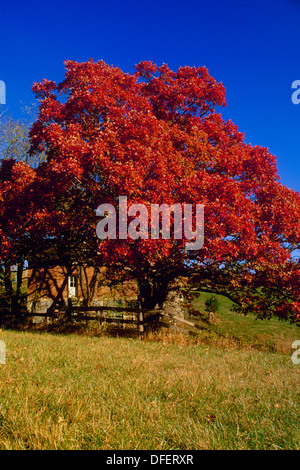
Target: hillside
229,328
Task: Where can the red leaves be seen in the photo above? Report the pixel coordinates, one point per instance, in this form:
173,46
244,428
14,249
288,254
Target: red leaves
155,137
146,69
43,89
191,91
16,183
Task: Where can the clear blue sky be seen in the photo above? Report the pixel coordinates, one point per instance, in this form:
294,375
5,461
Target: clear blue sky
253,47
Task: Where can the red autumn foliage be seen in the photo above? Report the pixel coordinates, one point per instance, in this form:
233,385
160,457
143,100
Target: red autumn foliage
156,137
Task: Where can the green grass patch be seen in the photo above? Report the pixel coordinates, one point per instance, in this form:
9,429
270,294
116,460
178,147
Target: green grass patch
272,335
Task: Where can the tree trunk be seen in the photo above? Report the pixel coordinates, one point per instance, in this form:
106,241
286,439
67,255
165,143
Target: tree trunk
8,286
152,292
17,296
174,303
13,292
89,287
161,294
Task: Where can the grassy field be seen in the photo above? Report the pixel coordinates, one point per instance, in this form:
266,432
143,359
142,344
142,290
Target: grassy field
220,390
230,328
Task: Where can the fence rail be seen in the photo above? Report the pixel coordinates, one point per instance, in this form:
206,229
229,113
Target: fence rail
141,318
103,314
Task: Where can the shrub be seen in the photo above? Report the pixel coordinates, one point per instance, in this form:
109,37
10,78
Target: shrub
212,304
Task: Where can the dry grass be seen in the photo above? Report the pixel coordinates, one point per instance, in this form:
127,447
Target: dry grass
163,392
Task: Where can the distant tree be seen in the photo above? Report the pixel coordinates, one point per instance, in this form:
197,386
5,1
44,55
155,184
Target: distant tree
14,137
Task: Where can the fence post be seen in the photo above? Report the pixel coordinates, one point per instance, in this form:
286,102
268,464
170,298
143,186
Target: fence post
69,309
141,322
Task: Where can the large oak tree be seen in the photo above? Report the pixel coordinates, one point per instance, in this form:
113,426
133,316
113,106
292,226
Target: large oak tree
156,137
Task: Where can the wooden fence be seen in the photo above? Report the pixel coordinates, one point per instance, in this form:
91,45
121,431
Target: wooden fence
123,316
139,318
